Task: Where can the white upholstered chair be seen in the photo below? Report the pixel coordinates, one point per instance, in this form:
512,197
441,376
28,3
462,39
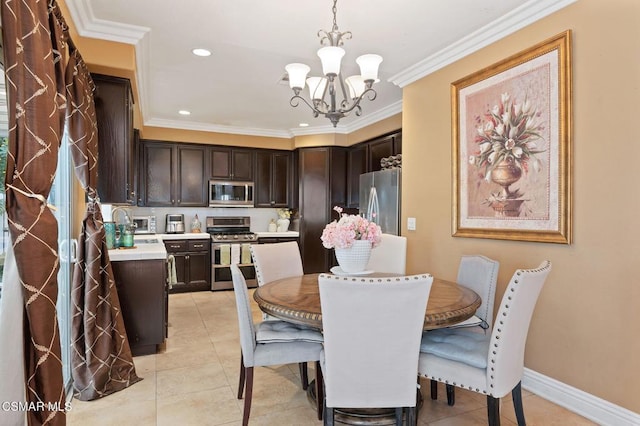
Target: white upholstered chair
270,343
480,274
372,329
489,364
276,261
390,256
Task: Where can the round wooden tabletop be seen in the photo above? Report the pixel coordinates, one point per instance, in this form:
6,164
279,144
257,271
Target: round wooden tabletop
297,300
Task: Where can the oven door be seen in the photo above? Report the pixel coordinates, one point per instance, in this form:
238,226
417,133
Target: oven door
224,254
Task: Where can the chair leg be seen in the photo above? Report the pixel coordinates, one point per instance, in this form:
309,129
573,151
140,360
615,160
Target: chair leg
434,389
493,410
412,416
319,391
241,383
303,375
451,395
516,394
399,416
328,416
247,397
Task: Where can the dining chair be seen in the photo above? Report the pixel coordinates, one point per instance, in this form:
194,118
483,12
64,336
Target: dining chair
276,261
480,274
372,329
270,343
489,364
390,256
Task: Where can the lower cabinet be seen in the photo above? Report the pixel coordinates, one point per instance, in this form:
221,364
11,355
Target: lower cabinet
142,290
193,264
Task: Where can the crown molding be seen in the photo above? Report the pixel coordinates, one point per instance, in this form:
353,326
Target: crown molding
519,18
88,25
216,128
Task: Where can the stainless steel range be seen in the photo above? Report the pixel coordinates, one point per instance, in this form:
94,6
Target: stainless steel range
231,238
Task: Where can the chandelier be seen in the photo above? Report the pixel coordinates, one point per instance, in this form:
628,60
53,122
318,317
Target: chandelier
353,89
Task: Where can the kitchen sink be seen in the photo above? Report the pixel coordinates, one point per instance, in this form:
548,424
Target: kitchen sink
147,241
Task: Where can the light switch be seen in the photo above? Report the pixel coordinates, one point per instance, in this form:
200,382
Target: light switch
411,223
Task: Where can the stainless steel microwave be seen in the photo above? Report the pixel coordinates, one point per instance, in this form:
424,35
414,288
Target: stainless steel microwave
230,193
145,224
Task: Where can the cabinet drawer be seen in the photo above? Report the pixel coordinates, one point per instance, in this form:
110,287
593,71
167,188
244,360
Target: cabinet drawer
199,245
173,246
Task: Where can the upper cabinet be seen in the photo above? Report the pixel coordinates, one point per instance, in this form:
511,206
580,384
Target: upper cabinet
231,163
172,175
383,147
273,178
116,148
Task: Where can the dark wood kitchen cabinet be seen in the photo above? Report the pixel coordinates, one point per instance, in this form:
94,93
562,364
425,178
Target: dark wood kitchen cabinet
193,264
172,174
116,148
274,178
142,291
365,157
322,180
231,163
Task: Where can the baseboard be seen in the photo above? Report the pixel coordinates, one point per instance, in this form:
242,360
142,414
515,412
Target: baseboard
591,407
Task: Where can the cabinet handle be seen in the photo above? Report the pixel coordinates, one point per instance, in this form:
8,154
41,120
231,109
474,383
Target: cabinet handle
172,201
186,257
198,245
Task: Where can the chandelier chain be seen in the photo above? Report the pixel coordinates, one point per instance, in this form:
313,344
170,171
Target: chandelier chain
335,11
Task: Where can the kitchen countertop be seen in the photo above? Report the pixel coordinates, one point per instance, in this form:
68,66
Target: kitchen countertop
294,234
147,247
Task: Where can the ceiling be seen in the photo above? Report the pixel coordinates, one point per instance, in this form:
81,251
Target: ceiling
239,88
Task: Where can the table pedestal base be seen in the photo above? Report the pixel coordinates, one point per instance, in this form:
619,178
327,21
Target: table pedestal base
362,416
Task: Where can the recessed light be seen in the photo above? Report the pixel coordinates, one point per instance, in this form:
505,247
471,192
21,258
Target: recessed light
303,124
184,112
201,52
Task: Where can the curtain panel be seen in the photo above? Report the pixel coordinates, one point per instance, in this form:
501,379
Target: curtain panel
101,357
35,90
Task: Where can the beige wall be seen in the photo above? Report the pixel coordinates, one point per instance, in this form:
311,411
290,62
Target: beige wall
586,327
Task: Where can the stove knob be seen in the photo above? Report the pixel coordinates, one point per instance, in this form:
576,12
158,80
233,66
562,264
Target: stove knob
235,237
224,237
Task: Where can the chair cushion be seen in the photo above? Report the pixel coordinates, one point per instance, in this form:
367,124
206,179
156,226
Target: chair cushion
463,346
281,331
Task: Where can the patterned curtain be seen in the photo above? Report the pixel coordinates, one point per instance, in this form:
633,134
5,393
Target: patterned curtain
35,90
101,358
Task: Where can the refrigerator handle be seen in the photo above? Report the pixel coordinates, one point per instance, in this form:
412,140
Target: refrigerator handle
373,209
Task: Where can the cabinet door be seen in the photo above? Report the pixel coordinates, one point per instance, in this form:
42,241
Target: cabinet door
281,179
181,270
199,269
378,150
356,165
242,164
263,179
141,287
314,207
192,182
114,116
220,160
158,176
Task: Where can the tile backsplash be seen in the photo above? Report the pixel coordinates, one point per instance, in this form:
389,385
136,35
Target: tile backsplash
260,217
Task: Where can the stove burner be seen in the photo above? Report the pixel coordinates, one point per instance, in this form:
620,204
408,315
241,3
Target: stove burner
236,229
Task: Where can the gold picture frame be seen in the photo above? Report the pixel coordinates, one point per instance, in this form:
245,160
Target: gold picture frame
511,142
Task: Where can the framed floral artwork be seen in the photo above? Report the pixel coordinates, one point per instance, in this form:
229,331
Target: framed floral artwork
511,147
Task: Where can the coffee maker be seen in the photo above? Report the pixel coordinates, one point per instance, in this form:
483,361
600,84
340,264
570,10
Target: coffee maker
175,224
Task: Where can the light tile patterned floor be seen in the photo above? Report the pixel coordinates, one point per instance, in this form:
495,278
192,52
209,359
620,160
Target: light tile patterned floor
194,379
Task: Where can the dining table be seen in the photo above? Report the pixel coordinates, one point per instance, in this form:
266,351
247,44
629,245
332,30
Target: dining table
297,300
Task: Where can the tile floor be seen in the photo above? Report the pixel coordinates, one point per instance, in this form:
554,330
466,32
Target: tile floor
193,381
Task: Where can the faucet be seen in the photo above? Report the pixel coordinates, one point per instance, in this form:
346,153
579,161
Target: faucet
125,211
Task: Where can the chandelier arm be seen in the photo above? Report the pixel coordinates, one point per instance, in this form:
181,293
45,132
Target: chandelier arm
316,108
356,103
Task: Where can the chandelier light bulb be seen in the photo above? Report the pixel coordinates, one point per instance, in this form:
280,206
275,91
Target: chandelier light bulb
297,75
317,86
331,56
356,86
369,66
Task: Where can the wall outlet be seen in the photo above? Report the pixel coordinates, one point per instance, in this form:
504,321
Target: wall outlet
411,223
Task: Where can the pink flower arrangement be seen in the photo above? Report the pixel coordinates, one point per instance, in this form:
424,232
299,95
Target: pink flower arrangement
342,233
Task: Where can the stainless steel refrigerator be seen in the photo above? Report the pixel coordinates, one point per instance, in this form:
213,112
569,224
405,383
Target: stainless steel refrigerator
380,199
